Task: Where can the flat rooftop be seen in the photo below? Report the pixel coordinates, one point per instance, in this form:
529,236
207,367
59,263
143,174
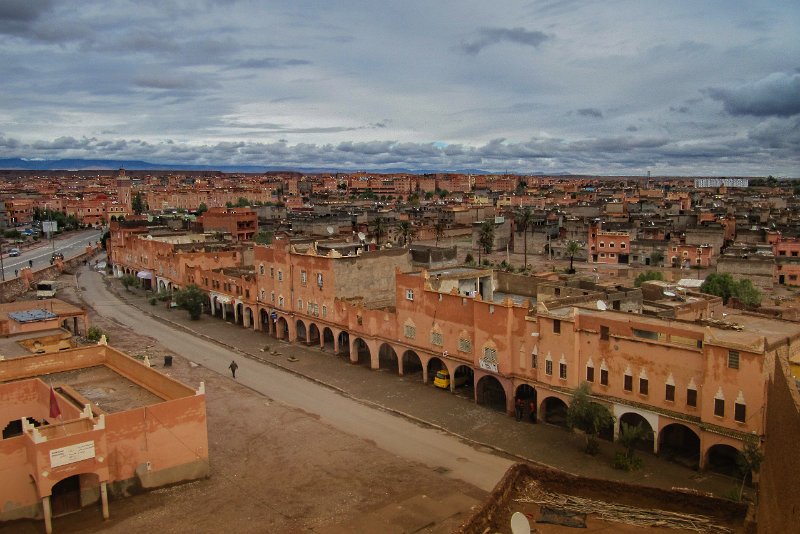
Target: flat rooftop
109,390
10,347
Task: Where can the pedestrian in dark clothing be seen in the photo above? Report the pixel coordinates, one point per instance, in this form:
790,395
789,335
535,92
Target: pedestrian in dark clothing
30,264
533,411
518,408
233,367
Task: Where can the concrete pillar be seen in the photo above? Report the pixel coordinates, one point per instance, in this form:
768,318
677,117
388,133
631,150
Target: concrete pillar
335,342
48,515
655,442
224,312
104,499
399,362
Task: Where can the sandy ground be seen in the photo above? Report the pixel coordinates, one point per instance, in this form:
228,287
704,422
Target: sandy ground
275,469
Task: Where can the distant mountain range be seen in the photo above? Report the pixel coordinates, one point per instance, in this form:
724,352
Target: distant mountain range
135,165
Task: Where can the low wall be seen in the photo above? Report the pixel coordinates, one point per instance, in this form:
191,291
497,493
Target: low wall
12,289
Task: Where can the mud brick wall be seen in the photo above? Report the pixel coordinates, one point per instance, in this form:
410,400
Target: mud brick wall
11,290
779,498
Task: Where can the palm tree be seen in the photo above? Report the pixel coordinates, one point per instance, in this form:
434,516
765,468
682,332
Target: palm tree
571,249
379,229
523,220
438,229
407,231
485,238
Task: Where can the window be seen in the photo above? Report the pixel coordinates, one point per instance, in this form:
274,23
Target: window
589,374
604,333
548,367
556,326
464,345
739,412
280,302
562,371
669,394
261,269
733,359
280,276
622,245
643,386
303,277
272,272
603,377
719,407
611,245
410,331
409,294
436,339
534,360
272,297
261,295
691,397
299,304
602,244
324,310
628,385
319,280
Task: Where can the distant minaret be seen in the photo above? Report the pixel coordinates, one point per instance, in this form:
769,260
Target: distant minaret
124,191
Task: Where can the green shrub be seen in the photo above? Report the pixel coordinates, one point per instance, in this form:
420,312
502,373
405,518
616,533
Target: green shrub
94,334
153,301
626,463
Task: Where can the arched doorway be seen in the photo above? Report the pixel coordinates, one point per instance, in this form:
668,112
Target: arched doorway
265,321
554,411
679,443
239,319
74,492
282,328
527,393
327,339
721,458
434,365
344,345
363,355
301,331
490,393
412,365
248,318
634,419
464,382
387,358
313,334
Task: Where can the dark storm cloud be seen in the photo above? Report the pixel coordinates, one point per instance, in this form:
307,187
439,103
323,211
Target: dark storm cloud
22,11
778,94
590,112
490,36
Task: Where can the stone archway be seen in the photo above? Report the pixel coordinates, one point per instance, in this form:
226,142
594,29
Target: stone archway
528,394
328,340
680,444
434,365
387,358
412,365
721,458
301,335
282,328
74,492
463,382
363,356
647,443
266,322
553,410
248,318
344,344
489,392
313,334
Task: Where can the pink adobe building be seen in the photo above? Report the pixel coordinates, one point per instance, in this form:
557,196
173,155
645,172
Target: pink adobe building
67,447
669,363
608,247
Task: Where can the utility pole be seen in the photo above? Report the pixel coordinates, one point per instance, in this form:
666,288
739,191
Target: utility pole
2,268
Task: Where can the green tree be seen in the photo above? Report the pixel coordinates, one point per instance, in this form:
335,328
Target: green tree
263,237
191,299
485,237
749,460
407,232
242,202
629,437
588,416
379,229
129,280
656,257
443,193
649,275
747,294
138,203
428,195
571,249
723,285
523,220
202,208
229,204
438,229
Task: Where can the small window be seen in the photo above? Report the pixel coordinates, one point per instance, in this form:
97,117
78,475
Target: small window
691,397
464,345
272,272
534,361
719,407
733,359
548,367
436,339
589,374
409,294
643,386
299,304
622,245
280,302
303,277
669,394
739,412
604,333
562,371
628,385
556,326
261,270
603,377
319,280
324,311
280,276
410,331
611,245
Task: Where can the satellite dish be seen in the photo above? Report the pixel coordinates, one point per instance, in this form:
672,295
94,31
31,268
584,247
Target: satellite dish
361,236
330,230
520,524
669,294
602,306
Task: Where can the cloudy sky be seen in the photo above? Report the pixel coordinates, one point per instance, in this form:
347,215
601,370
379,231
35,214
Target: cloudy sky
613,87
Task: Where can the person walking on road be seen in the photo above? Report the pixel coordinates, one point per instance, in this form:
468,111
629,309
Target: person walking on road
30,264
233,367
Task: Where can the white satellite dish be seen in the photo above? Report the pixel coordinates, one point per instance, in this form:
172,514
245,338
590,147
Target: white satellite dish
602,306
520,524
330,230
361,236
669,294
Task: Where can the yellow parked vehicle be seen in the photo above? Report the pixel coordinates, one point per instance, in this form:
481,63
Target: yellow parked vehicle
442,379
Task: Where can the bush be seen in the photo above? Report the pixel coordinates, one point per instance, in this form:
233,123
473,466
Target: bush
625,463
153,301
94,334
